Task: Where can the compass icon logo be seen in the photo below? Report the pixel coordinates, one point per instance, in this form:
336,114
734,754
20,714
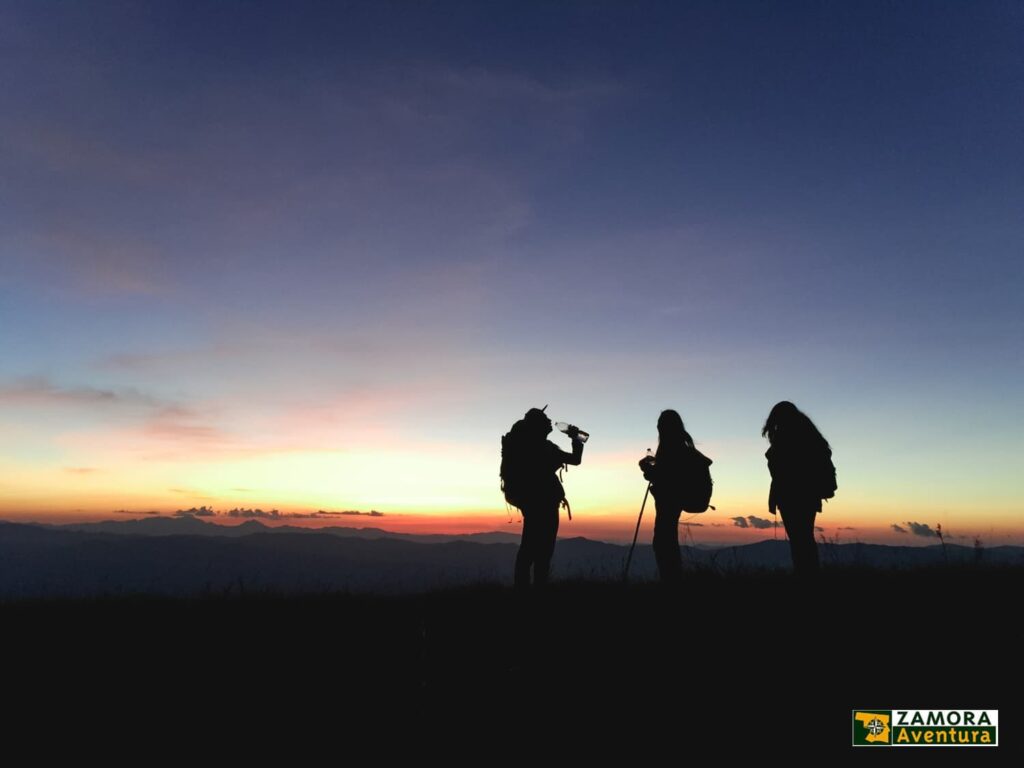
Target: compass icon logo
871,727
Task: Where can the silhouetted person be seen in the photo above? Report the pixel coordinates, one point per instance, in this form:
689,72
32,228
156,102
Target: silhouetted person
673,471
800,463
529,465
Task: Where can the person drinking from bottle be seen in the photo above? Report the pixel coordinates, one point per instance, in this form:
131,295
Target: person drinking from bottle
529,463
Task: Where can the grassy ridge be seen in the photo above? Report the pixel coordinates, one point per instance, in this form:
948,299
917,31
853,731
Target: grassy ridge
742,648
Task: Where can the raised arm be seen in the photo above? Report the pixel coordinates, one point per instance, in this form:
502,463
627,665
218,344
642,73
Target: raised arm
574,458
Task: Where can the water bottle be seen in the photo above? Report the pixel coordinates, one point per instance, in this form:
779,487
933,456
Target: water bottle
647,463
648,460
562,426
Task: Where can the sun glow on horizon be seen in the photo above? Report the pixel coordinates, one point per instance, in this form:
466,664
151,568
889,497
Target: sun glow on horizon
450,488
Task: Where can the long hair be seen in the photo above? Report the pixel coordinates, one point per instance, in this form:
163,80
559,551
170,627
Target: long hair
789,426
672,434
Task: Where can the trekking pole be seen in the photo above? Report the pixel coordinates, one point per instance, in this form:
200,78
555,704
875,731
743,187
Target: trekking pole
629,559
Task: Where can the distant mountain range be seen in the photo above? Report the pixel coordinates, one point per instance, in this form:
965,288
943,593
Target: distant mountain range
188,556
190,525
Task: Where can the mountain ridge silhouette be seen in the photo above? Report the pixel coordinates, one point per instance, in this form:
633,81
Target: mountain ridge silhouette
48,561
189,524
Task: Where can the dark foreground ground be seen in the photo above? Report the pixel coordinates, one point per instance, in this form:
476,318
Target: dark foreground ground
743,661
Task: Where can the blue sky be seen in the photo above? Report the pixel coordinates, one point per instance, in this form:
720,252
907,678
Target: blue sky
268,228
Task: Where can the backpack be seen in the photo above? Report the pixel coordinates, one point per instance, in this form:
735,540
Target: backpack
827,484
512,472
523,479
696,491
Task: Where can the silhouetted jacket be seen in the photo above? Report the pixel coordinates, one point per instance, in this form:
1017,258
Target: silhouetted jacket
798,473
542,486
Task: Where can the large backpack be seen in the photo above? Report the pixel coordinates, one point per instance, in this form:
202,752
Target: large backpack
526,478
696,490
513,471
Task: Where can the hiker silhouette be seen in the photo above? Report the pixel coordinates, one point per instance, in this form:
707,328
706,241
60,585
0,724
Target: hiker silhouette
671,472
800,463
529,463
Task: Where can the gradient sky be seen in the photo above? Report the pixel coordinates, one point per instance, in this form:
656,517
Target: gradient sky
322,255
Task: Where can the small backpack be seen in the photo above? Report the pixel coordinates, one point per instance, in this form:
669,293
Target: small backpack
696,491
827,485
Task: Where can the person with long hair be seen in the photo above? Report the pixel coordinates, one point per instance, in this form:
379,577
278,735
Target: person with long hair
672,472
800,464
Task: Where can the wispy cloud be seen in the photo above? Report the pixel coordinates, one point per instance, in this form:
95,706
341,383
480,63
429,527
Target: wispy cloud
83,258
203,511
320,514
922,529
40,391
176,423
413,143
371,513
270,514
81,470
172,361
919,529
162,430
256,513
752,521
63,149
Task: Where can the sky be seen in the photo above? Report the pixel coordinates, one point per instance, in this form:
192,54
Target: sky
319,256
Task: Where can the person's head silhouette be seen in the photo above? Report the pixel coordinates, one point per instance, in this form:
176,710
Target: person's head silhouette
788,425
672,432
782,415
537,422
